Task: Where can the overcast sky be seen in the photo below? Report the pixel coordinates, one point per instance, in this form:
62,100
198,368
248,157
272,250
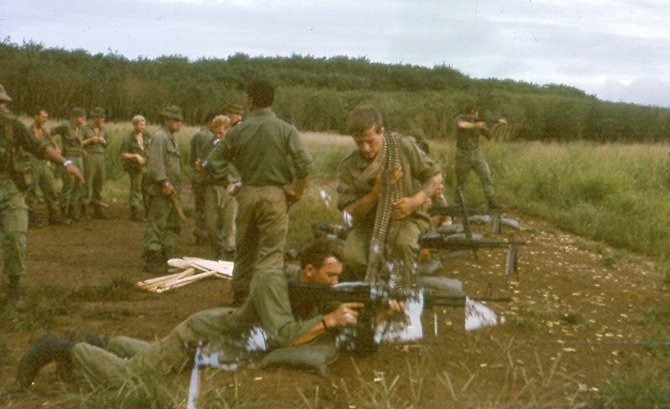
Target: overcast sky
617,50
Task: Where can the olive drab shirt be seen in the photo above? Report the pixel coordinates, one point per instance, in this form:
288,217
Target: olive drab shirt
21,136
130,145
265,150
94,147
416,166
71,138
164,159
468,139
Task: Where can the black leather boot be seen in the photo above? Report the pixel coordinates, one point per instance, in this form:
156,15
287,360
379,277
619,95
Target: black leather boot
47,348
154,263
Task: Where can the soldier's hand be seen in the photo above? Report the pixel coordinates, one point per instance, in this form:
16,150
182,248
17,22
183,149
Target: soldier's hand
74,172
345,314
198,166
403,207
140,159
167,189
397,307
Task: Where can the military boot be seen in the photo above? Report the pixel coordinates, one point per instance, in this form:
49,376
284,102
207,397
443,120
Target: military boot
34,221
65,216
154,263
46,349
73,214
493,205
83,214
14,293
135,214
98,213
57,219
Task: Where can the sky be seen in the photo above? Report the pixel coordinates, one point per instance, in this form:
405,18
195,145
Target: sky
616,50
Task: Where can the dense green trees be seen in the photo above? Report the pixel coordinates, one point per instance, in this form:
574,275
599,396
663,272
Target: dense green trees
315,94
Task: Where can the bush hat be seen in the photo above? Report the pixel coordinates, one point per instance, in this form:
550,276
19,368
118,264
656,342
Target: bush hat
98,112
172,112
77,112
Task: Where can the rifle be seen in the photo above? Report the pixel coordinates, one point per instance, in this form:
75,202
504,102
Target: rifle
456,242
360,339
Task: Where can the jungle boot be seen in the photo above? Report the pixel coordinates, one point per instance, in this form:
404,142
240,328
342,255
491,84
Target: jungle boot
98,213
14,293
493,205
57,219
46,349
135,214
73,214
83,214
34,221
65,216
154,263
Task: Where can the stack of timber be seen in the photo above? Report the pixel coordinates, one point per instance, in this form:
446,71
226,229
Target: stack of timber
189,270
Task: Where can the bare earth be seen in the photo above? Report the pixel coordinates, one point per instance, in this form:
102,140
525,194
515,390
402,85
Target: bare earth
575,318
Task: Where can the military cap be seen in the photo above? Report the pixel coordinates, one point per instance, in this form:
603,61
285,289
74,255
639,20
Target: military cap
3,95
234,109
172,112
98,112
77,112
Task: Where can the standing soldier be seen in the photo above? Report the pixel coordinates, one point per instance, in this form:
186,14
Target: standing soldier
220,204
201,145
14,140
72,192
94,143
468,130
134,151
262,148
163,222
42,175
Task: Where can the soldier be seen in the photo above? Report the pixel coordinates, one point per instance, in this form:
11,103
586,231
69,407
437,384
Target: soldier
234,112
94,143
134,151
111,361
258,147
201,145
14,139
468,130
72,195
164,173
42,175
363,178
220,204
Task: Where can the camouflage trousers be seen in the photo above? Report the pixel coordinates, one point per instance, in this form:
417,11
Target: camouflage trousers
43,179
163,225
472,160
402,250
220,212
126,358
94,174
14,219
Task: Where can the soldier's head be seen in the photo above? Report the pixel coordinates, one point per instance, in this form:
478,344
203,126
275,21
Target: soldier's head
234,112
209,118
139,123
78,116
321,262
172,118
260,94
220,126
98,116
40,116
471,110
4,99
366,127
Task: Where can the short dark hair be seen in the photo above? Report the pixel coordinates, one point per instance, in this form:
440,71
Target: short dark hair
316,252
262,93
469,108
363,118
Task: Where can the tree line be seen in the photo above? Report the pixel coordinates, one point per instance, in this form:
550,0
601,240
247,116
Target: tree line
316,94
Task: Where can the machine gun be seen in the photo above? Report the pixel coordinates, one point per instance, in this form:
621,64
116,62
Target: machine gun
361,340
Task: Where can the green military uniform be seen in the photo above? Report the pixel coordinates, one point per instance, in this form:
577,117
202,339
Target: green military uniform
468,157
221,211
44,179
268,306
404,245
261,148
201,146
73,192
163,222
94,165
13,209
136,172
